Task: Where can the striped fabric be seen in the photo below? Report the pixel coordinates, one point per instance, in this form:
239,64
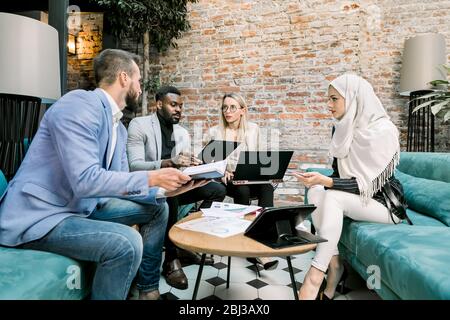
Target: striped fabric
350,185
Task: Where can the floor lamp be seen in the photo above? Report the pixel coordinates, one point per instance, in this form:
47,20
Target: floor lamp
29,77
422,57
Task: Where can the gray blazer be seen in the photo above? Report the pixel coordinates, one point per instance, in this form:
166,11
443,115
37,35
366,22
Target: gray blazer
144,143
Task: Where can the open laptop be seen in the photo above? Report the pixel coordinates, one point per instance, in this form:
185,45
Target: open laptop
217,150
259,167
275,227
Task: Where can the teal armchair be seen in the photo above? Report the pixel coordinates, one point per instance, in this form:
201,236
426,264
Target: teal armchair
403,261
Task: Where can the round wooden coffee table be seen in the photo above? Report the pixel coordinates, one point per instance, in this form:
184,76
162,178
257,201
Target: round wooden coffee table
234,246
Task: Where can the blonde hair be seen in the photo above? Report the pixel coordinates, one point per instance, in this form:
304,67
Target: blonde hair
243,124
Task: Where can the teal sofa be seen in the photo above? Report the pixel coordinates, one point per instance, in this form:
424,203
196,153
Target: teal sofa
413,261
33,275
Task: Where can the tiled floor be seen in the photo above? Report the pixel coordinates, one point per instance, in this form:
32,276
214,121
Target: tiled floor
246,285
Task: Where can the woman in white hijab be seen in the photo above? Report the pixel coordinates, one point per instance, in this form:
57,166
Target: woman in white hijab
365,150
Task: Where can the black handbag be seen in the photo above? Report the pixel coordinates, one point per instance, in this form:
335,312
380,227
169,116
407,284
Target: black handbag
396,204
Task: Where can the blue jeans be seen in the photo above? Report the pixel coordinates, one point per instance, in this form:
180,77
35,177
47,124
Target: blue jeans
119,251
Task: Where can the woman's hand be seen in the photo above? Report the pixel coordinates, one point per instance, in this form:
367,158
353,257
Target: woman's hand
227,177
310,179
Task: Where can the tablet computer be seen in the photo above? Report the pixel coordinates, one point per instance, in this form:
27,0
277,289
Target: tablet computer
275,227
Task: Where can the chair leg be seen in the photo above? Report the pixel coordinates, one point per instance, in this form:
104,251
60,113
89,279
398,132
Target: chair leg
228,272
258,275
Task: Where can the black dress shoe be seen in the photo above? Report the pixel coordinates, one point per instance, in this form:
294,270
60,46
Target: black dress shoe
174,274
189,257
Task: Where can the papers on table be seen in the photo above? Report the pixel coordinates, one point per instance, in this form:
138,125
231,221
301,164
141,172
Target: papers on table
221,220
227,210
216,226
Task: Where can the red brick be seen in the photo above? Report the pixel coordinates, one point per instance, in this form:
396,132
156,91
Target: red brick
296,109
266,116
247,34
347,51
235,61
318,116
209,31
307,55
291,116
298,94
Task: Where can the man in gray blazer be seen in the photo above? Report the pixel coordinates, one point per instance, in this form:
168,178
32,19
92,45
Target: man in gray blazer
74,195
158,141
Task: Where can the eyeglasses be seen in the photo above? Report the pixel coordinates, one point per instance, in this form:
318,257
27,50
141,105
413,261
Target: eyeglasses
231,108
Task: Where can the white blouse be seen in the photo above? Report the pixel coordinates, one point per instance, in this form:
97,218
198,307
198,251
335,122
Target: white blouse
251,143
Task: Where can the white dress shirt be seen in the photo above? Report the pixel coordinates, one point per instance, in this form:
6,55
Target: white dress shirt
116,116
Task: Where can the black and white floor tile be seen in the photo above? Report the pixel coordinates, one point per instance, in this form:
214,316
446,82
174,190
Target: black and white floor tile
245,284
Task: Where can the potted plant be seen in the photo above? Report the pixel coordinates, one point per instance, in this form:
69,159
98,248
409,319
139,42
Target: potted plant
156,22
439,99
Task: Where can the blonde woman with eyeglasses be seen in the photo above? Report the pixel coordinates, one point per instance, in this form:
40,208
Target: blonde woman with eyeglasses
234,126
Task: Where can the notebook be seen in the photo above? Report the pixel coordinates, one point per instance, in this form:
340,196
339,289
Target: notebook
259,167
213,170
217,150
275,227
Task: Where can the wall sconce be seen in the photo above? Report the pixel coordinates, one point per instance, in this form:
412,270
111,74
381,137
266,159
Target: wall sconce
71,44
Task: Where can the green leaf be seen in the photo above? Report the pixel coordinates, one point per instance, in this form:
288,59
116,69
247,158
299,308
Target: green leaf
429,95
447,116
438,82
437,107
423,105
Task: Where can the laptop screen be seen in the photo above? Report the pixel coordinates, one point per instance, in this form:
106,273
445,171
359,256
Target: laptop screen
262,165
217,150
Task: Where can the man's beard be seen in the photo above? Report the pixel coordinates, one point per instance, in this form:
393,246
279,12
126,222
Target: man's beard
169,117
132,100
175,120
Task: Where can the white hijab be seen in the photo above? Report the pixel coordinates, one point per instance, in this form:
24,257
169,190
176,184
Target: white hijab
365,141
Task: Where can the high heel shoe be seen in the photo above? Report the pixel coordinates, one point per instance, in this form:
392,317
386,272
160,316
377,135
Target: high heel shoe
321,294
341,284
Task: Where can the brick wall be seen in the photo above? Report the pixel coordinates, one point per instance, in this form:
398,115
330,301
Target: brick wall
280,56
89,31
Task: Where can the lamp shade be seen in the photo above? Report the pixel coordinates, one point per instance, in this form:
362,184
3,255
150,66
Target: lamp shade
422,57
29,58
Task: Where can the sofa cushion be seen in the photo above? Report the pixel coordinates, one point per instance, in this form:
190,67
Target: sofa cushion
419,219
428,165
29,274
430,197
412,259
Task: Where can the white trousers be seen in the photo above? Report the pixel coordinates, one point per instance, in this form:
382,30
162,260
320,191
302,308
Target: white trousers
332,206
